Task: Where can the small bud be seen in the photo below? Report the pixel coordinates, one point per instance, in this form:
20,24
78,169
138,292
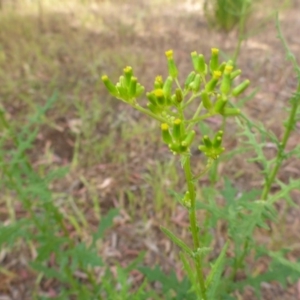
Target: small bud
132,87
203,149
127,75
158,82
153,108
189,79
226,80
166,134
188,139
177,129
209,87
217,74
152,98
207,141
173,72
222,67
167,89
228,69
195,85
175,148
202,66
195,60
235,74
186,201
173,100
231,112
123,92
214,61
169,54
122,82
109,85
179,96
230,63
212,149
139,90
218,139
164,127
220,104
160,97
240,88
205,100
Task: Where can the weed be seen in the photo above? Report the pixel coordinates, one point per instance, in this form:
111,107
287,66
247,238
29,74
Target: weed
225,14
211,86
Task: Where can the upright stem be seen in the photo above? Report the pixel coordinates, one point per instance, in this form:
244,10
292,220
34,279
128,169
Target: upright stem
280,154
193,223
241,32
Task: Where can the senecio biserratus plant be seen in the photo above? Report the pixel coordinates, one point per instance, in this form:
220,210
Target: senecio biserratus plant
211,86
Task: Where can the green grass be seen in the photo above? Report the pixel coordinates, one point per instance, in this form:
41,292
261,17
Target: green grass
35,63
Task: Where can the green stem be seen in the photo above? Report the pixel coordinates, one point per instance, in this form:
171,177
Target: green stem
193,223
149,113
201,118
280,154
192,98
196,114
178,84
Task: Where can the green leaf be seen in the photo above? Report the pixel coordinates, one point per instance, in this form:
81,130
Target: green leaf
177,240
105,223
191,274
48,272
135,262
84,257
10,233
229,192
213,279
169,283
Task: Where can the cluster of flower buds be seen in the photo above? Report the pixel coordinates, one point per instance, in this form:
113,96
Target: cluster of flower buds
127,89
210,82
216,91
212,148
176,138
160,98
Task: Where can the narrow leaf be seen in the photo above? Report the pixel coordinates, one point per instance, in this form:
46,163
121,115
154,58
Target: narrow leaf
105,223
214,276
176,240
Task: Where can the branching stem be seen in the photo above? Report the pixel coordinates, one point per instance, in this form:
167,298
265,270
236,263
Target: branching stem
280,154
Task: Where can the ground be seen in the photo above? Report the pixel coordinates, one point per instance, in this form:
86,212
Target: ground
67,48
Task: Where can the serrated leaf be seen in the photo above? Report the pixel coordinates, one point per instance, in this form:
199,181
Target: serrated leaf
135,262
10,233
284,192
229,192
48,272
105,223
84,257
169,283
